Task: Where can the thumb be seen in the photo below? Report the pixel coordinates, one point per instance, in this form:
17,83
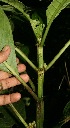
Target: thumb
4,53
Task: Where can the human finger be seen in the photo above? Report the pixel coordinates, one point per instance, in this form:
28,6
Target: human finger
17,60
21,68
11,82
4,53
11,98
4,75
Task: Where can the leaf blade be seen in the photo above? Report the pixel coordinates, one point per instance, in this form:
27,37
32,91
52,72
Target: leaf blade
52,12
55,8
6,38
18,5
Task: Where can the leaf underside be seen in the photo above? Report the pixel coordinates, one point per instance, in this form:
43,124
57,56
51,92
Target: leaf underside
6,38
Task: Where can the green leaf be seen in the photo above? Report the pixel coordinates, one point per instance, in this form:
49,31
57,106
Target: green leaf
19,6
55,8
68,6
37,25
52,12
66,116
7,117
6,38
36,21
22,47
66,111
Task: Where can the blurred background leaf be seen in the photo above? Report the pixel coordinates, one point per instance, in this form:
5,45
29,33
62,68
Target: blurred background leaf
8,118
66,111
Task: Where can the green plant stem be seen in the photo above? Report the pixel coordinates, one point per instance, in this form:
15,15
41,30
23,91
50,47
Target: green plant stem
50,22
22,81
26,58
58,55
40,71
45,34
32,84
40,103
18,115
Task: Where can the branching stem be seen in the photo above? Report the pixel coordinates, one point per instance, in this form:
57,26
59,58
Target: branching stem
58,55
26,58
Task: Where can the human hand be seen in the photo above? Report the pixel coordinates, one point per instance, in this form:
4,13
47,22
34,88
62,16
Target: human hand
7,81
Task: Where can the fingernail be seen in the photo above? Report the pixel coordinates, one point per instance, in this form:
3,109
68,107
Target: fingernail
5,48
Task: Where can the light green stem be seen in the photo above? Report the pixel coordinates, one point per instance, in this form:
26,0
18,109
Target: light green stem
58,55
40,103
40,71
32,84
26,58
45,34
18,115
22,81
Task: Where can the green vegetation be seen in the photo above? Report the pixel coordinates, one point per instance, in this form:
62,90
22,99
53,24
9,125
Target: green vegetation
40,31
